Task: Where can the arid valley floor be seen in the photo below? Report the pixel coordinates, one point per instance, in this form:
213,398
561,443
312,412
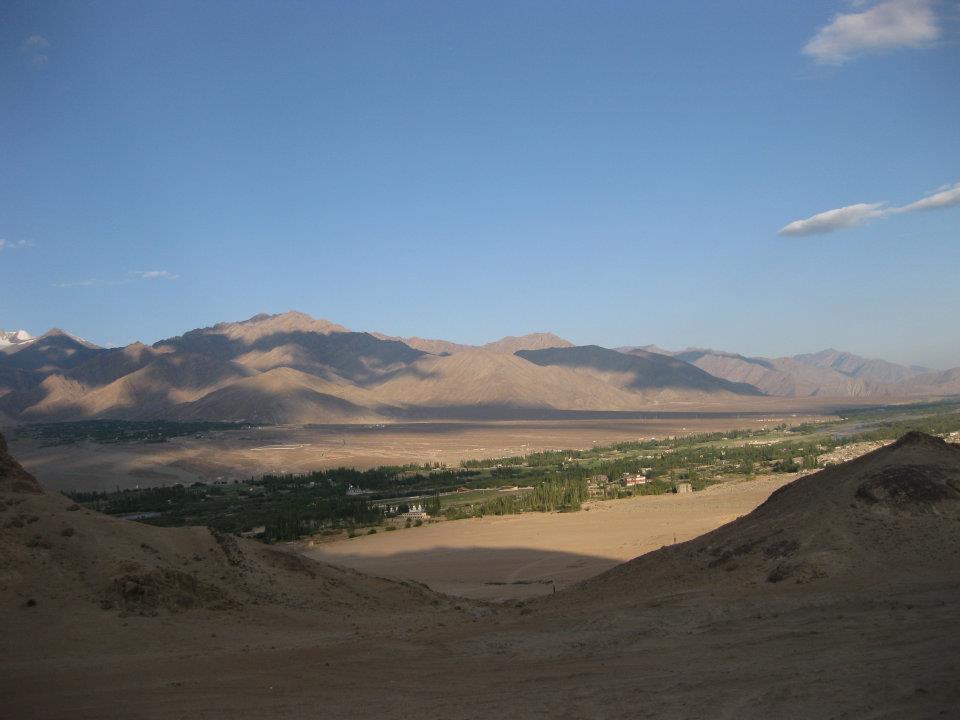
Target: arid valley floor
836,597
514,557
240,454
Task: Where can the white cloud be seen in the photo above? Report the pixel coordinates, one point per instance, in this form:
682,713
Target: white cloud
14,244
831,220
134,276
156,275
34,47
885,26
851,215
80,283
944,197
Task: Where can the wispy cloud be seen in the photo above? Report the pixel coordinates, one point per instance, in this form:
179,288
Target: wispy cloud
944,197
81,283
884,26
133,276
15,244
155,274
852,215
35,48
834,219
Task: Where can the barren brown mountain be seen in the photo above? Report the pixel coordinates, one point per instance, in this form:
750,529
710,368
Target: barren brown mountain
208,374
485,379
656,375
215,373
838,597
829,373
282,395
54,351
783,376
947,381
508,345
534,341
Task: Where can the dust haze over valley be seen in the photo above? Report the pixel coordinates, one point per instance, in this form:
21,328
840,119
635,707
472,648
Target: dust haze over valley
480,360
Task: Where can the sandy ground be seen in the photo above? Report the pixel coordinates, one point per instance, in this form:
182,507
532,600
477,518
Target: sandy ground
519,556
241,454
690,631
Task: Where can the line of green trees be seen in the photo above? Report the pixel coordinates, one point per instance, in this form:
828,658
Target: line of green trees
562,494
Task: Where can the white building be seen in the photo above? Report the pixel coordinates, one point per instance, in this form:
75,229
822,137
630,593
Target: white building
632,479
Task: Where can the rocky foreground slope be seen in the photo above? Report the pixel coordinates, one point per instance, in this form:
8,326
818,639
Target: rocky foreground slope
838,597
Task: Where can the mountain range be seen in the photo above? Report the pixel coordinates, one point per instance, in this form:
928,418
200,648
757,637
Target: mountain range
292,368
828,373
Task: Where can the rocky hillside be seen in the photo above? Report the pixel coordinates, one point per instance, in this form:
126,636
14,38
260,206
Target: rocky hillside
292,368
889,517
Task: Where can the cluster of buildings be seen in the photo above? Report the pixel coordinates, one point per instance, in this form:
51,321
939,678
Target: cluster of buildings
599,483
414,512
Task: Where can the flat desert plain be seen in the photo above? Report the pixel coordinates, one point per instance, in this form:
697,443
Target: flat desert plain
519,556
246,453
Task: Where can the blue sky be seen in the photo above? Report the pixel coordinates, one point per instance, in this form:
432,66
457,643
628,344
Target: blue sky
618,173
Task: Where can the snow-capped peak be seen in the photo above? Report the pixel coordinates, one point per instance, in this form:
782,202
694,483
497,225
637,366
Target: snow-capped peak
14,337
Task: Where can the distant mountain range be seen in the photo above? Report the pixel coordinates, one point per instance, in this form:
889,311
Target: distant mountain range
828,373
292,368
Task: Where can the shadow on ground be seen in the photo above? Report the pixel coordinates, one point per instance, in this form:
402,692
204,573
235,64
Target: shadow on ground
495,574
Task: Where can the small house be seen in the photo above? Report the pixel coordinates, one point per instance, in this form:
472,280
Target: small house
633,479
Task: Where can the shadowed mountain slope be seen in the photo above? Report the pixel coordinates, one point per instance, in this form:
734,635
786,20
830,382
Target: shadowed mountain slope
148,392
315,346
639,371
291,368
209,374
140,382
17,380
281,396
54,351
828,373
